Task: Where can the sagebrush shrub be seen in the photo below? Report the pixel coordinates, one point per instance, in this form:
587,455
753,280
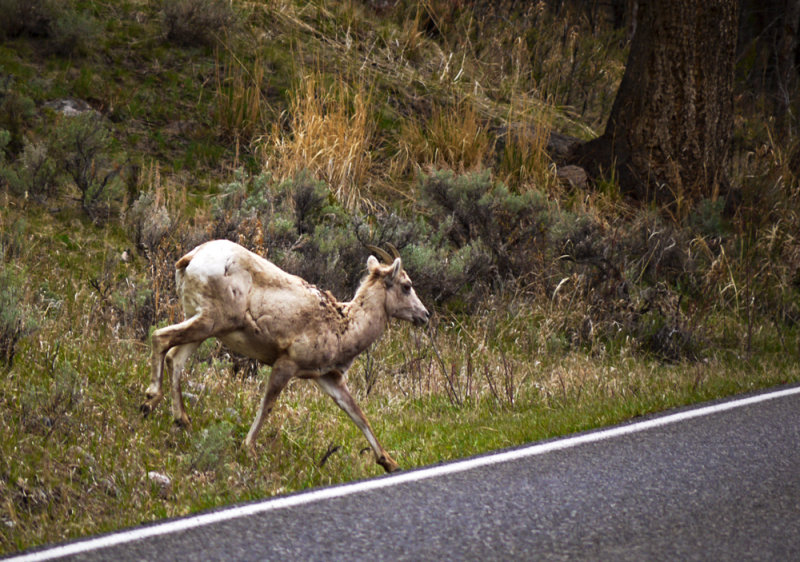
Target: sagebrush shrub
33,18
441,273
149,221
471,208
72,33
17,112
47,407
197,23
16,313
309,198
83,146
213,446
33,174
64,30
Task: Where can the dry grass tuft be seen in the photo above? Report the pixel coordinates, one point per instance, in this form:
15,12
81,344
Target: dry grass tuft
453,137
241,108
524,161
328,131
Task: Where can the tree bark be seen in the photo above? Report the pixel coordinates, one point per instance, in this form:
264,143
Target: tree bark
769,48
669,131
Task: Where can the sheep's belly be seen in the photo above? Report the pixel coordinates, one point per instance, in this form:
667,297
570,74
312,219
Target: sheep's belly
251,346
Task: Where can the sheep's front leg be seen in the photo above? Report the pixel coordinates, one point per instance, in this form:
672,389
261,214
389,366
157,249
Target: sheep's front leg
333,385
282,372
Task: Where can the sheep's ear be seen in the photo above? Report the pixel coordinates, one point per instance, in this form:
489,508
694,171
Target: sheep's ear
373,265
397,267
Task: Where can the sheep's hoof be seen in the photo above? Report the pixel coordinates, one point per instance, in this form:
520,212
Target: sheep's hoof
182,423
147,407
388,464
151,401
250,449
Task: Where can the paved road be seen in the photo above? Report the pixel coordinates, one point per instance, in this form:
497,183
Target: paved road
719,482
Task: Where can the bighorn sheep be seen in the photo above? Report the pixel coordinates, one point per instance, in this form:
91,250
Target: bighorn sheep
260,311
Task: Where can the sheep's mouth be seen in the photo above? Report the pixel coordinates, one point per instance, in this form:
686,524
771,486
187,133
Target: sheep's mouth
420,320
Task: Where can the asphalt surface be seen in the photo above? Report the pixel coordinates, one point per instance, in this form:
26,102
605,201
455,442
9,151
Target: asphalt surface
722,486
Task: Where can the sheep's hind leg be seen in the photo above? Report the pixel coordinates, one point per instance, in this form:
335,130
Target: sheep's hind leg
333,384
175,360
154,392
195,329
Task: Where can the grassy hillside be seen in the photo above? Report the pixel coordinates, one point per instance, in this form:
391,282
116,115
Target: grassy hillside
306,131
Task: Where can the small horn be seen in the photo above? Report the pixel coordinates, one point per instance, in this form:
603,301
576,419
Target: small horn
392,249
383,254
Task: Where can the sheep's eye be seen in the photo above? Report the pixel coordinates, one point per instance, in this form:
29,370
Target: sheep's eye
406,289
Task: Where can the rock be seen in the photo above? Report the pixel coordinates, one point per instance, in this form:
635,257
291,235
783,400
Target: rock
198,387
82,458
574,176
559,145
69,106
163,482
109,486
181,128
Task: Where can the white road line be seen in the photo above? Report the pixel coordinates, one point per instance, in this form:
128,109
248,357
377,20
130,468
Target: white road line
378,483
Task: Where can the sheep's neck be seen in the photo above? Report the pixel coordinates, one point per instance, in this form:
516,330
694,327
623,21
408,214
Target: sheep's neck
366,321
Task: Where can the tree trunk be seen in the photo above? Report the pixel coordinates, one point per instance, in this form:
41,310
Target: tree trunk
669,131
787,52
770,51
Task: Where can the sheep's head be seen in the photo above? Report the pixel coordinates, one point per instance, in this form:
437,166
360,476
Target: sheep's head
401,300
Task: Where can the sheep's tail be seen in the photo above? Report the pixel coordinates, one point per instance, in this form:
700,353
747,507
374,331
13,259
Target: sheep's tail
180,269
184,261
